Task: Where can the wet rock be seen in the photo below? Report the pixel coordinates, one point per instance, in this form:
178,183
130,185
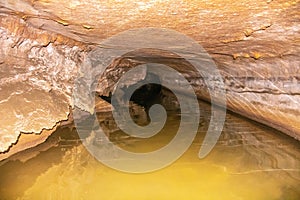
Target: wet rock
36,80
254,44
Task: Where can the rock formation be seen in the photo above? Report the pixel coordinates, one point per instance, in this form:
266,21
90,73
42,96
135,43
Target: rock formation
255,45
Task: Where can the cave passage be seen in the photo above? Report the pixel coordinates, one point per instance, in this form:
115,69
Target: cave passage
43,48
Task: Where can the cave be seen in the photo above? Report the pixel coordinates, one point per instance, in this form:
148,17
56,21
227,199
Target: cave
60,68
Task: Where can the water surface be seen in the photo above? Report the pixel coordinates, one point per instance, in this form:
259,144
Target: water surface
250,161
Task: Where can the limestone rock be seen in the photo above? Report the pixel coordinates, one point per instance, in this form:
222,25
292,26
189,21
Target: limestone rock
255,45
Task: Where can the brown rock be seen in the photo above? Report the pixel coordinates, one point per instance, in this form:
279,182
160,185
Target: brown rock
254,44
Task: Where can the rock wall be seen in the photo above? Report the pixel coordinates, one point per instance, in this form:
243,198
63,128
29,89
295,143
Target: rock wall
255,45
37,69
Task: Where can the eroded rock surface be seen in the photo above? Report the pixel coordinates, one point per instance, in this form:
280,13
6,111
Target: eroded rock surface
36,79
254,44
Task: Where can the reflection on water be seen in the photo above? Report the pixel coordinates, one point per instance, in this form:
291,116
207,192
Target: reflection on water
249,162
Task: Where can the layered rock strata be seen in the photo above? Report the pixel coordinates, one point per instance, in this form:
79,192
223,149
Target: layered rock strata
43,43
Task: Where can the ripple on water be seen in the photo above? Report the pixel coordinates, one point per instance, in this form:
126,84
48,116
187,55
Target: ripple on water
250,161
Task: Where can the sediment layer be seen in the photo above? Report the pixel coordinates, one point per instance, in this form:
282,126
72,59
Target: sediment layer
255,45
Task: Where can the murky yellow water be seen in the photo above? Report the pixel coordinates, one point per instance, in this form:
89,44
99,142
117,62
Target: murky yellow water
249,162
